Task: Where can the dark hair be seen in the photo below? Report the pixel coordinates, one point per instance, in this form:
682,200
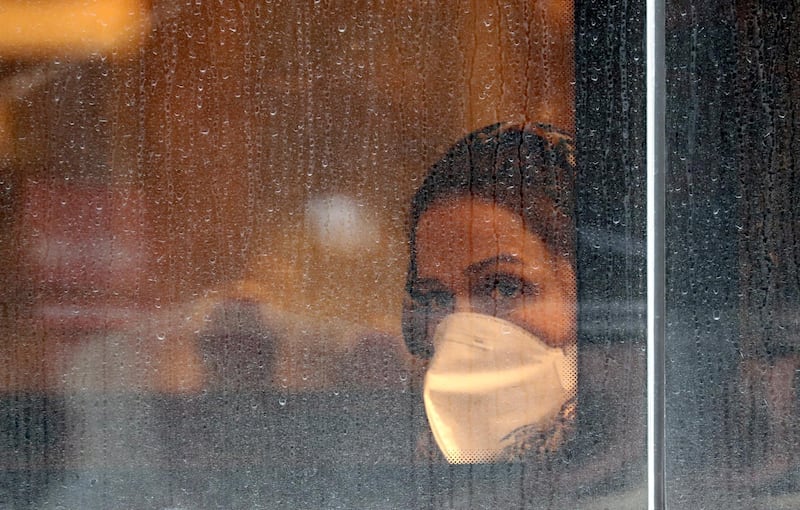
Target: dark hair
527,168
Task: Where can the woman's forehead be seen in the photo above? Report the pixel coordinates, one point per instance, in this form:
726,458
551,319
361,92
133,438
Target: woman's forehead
454,234
469,214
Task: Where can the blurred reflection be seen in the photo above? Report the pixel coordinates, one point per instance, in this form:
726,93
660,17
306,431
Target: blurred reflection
767,91
732,399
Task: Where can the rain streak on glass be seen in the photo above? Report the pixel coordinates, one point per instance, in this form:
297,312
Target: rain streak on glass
733,327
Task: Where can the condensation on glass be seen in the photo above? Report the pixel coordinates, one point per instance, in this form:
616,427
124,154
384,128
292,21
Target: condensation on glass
733,298
229,284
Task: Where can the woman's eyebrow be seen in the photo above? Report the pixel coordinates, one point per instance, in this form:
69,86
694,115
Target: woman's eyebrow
479,266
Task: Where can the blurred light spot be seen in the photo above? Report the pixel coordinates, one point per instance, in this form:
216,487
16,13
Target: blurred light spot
339,223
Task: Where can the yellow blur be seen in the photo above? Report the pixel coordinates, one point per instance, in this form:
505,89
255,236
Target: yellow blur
70,27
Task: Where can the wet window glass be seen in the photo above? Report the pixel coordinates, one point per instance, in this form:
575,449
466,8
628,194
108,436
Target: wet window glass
732,255
269,254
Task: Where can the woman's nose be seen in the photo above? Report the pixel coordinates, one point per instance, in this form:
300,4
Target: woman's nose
475,304
462,304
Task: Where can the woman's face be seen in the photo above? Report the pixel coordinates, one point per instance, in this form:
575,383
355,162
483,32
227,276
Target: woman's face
476,256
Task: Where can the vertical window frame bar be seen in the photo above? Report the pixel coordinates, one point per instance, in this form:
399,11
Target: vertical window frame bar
656,290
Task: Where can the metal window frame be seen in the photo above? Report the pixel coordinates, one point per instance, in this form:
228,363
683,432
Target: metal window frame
656,301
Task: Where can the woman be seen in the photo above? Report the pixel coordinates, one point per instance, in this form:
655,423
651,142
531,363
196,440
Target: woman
491,302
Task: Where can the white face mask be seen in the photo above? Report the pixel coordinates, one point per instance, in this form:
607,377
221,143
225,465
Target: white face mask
488,379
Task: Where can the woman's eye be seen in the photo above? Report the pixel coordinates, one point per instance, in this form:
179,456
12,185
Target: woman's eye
433,302
504,287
